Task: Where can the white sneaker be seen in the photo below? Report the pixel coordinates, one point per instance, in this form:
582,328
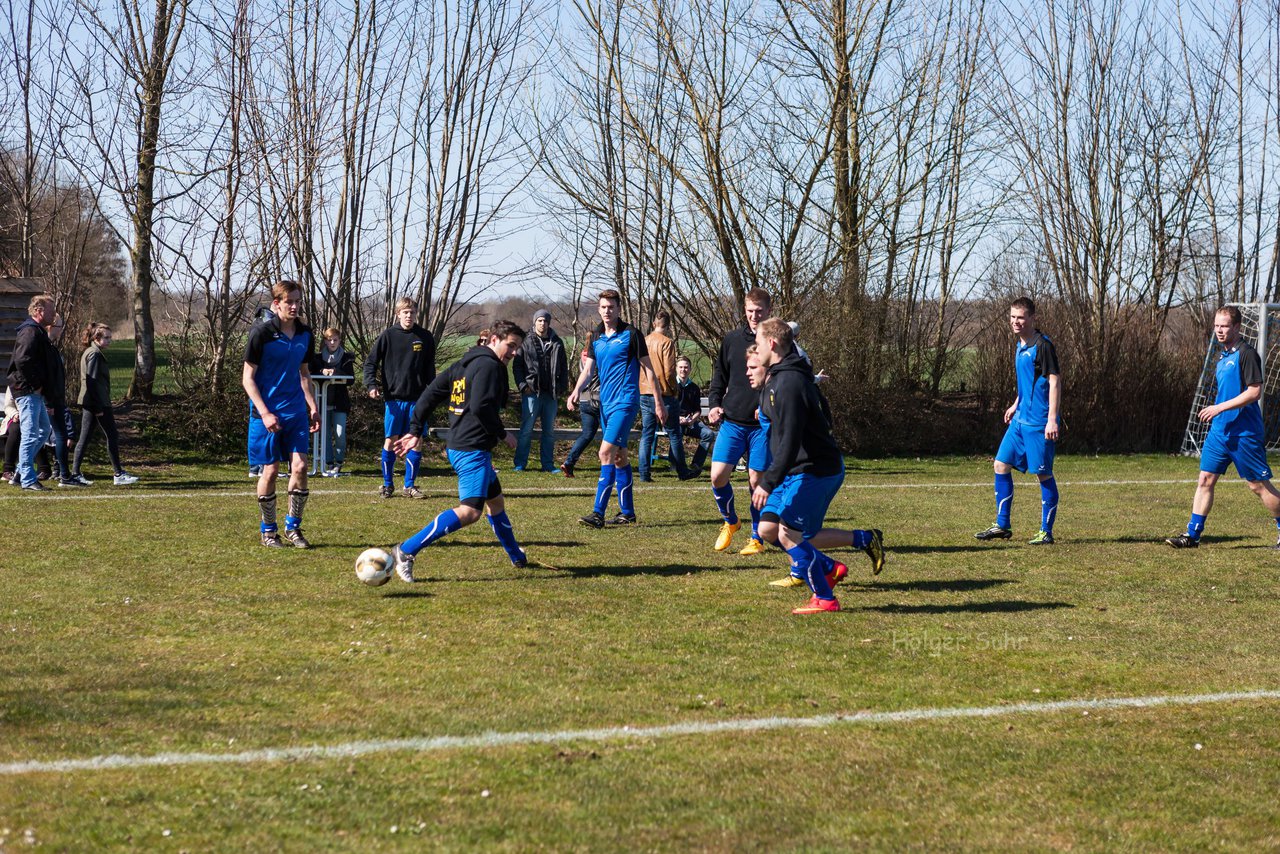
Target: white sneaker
124,479
403,565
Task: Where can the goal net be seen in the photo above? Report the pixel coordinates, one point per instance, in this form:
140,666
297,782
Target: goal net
1260,326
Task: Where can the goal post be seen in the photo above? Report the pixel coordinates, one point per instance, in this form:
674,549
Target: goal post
1260,326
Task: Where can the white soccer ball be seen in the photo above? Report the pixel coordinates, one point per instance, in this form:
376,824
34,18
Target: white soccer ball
374,567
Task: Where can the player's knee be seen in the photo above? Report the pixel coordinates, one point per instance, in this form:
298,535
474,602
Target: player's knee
1002,468
1208,479
768,531
467,512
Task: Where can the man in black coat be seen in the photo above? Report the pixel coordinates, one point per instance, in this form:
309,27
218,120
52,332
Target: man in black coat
541,370
31,377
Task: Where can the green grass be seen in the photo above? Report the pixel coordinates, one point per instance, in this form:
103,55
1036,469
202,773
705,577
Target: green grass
156,623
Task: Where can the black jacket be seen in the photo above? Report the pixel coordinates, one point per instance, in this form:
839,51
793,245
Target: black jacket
55,393
540,365
339,396
689,396
32,366
476,389
800,437
729,387
408,361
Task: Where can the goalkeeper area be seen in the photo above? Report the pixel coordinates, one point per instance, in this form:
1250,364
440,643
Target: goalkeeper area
168,684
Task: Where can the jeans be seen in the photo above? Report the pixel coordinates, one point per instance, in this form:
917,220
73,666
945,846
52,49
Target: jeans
705,436
533,407
336,452
590,412
36,426
649,433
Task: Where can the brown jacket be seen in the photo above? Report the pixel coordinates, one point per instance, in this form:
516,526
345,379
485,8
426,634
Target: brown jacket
662,354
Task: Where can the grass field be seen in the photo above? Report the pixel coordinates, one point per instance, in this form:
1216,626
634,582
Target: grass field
147,621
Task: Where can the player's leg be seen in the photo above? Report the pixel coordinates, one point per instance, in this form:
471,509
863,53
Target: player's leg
1250,458
496,512
618,435
388,460
609,419
810,565
757,464
731,444
264,452
401,412
295,437
475,475
1010,455
1040,455
1214,459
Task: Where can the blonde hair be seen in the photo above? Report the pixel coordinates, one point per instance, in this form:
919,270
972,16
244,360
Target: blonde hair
331,332
405,302
41,299
774,329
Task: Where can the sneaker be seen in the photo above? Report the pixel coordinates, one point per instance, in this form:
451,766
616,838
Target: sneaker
387,490
124,479
81,480
789,581
592,520
1182,541
43,475
35,486
403,564
837,574
69,481
645,478
754,546
692,474
726,535
875,551
414,492
623,519
566,470
294,535
522,562
818,606
271,540
995,532
1043,538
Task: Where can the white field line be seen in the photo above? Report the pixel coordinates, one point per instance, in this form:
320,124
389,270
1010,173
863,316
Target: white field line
86,494
435,744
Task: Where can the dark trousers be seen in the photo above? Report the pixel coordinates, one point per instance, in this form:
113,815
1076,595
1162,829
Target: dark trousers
12,440
590,412
107,421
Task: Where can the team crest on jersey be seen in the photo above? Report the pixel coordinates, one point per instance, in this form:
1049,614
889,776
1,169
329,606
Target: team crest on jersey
458,396
417,346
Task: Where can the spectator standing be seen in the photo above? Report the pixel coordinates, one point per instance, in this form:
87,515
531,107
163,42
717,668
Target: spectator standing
334,361
541,370
30,374
56,398
95,405
662,353
405,356
589,410
689,399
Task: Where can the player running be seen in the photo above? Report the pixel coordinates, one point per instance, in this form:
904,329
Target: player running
733,407
1029,441
283,413
476,389
618,352
406,355
1236,434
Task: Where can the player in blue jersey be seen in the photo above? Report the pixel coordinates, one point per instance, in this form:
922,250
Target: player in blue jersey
1236,431
283,413
618,353
732,404
1029,441
475,388
405,353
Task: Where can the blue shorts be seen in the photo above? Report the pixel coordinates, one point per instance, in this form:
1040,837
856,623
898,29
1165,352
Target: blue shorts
476,477
293,437
734,440
395,418
1247,452
1025,448
801,501
616,423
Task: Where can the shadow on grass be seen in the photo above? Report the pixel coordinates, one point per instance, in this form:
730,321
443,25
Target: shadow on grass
627,571
1003,606
893,549
1150,541
958,585
409,594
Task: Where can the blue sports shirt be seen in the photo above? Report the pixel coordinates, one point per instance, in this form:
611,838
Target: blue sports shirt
1032,366
1237,370
278,358
617,359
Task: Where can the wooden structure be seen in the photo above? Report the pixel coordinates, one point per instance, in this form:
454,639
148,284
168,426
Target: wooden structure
15,295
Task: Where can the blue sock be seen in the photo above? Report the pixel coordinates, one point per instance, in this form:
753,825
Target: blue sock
1196,526
292,522
1004,499
388,466
604,488
861,539
1048,504
724,502
807,564
446,523
506,535
622,478
755,522
411,461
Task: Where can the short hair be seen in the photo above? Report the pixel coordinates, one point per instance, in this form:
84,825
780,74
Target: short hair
774,329
753,350
610,294
1232,312
91,331
41,299
662,318
281,289
502,329
759,296
1025,304
406,302
684,359
331,332
483,338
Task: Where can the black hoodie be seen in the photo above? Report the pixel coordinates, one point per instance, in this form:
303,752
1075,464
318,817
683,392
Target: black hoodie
729,387
408,361
476,388
800,437
32,367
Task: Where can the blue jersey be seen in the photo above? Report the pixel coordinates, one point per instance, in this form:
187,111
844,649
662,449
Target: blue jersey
278,358
1237,370
617,364
1032,365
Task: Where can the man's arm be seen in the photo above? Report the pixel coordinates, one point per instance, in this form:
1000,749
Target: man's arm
313,413
371,363
249,382
1055,398
588,365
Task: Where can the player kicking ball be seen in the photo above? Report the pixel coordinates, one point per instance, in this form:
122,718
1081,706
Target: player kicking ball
1029,441
476,390
805,473
1236,433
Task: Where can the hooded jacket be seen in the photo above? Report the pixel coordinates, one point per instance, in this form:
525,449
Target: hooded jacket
476,389
540,365
729,387
32,366
408,361
800,437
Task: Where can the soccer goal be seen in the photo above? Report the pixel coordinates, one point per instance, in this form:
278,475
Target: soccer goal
1260,326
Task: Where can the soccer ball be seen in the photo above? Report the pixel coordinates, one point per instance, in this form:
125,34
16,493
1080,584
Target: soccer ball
373,567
